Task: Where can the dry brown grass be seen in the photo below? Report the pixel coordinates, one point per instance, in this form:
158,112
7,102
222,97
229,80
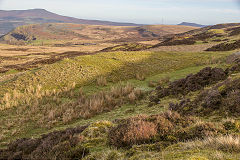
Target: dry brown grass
101,81
140,77
164,81
140,131
20,57
227,143
49,107
185,48
31,95
172,29
161,82
152,84
134,131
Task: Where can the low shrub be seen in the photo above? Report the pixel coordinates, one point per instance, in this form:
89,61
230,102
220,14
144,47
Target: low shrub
132,131
97,129
231,125
55,145
147,129
225,46
200,130
192,82
222,99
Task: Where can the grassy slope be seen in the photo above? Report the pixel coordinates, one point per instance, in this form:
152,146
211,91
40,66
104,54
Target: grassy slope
117,66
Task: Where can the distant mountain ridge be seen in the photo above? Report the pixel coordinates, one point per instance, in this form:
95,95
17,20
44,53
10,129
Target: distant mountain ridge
192,24
14,18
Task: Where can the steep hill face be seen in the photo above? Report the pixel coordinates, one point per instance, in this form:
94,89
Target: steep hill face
81,33
11,19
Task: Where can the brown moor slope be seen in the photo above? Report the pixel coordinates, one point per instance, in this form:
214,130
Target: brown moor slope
81,33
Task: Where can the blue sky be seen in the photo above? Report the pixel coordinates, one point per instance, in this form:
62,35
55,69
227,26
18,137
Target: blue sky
138,11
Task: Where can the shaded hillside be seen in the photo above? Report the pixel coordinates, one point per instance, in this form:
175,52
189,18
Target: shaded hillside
79,33
225,35
11,19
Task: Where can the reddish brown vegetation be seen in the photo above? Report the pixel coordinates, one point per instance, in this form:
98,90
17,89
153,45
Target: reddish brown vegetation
223,98
147,129
234,31
55,145
173,42
33,64
127,47
225,46
182,40
132,131
192,82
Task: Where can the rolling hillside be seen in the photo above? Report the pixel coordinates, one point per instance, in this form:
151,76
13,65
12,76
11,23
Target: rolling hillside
221,37
11,19
81,33
118,104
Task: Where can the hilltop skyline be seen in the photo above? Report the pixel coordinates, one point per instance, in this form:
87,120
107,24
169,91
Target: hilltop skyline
137,11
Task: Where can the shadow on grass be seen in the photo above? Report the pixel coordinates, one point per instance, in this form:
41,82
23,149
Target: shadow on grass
110,66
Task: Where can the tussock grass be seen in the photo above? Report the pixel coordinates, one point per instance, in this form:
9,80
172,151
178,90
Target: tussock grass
51,108
228,143
140,77
101,81
30,95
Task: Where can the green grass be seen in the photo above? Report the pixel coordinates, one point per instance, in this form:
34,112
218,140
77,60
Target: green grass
31,129
117,67
217,31
12,71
